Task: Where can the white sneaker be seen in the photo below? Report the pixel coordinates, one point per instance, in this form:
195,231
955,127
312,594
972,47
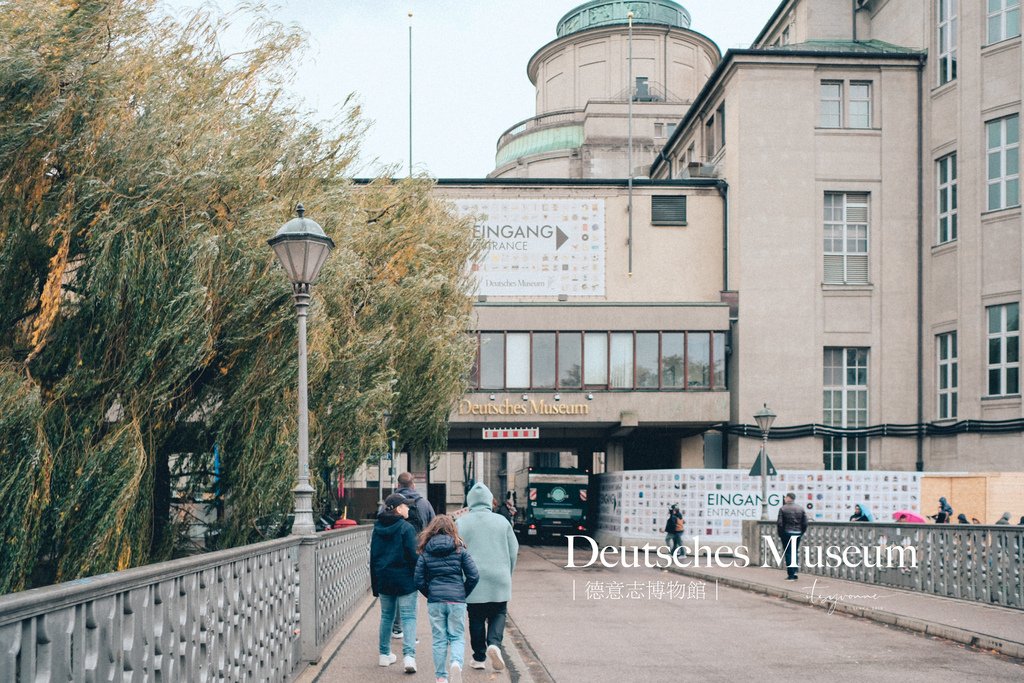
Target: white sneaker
494,654
388,659
473,664
410,664
455,673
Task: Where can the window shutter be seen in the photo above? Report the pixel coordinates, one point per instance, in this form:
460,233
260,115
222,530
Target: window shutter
857,269
856,207
668,210
833,269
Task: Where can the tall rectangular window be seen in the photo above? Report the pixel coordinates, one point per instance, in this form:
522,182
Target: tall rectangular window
595,359
860,104
945,173
673,355
698,359
831,104
621,355
946,38
492,360
1003,142
709,138
846,238
718,361
543,372
570,357
720,116
647,360
1003,350
947,380
1003,20
517,360
845,404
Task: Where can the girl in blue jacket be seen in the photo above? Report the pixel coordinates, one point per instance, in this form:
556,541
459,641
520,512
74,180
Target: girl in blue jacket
445,573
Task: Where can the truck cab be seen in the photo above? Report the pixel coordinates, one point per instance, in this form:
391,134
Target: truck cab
556,503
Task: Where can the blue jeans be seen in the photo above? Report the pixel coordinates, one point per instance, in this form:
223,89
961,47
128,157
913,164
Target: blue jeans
406,605
448,625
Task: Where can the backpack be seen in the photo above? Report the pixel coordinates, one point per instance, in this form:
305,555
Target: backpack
679,524
415,519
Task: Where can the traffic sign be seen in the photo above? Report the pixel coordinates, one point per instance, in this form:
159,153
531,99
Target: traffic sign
755,471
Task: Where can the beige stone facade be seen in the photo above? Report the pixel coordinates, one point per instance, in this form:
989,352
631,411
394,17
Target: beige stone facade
853,230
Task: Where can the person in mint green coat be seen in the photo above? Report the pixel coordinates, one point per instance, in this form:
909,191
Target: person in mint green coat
493,546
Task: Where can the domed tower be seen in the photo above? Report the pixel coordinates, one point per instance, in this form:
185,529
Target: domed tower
583,91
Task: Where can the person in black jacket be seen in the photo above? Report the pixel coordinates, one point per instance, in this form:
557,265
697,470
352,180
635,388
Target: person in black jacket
792,523
446,574
674,529
392,577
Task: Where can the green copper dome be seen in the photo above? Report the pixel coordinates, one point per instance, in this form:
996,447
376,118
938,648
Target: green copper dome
612,12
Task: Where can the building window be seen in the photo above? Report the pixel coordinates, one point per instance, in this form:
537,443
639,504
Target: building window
831,104
709,138
845,396
1003,350
670,128
946,209
785,36
1003,136
846,238
948,380
720,122
1003,20
599,360
947,40
860,104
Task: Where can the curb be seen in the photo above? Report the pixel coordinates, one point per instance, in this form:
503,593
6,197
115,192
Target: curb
959,635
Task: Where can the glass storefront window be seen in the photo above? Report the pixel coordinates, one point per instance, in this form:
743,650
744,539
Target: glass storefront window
595,358
543,360
517,360
718,380
622,360
570,356
492,360
672,356
647,360
698,359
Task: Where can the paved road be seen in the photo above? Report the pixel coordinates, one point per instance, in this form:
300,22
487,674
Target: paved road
662,629
735,635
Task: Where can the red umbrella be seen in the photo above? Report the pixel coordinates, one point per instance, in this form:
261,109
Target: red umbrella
908,517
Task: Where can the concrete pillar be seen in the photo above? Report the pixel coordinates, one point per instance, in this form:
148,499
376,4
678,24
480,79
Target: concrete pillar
307,599
615,460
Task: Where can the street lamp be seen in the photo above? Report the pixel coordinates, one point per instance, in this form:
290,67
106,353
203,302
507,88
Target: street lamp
764,417
302,247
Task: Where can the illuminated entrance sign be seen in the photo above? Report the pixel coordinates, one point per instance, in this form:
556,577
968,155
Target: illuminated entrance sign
512,433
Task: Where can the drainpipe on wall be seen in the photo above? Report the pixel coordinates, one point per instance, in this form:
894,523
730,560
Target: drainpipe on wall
723,189
920,265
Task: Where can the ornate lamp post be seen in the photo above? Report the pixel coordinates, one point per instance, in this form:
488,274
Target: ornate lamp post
764,417
302,247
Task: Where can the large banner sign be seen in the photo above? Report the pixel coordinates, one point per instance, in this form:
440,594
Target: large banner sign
538,247
714,503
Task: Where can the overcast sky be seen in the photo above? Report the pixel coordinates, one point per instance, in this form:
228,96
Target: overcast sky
469,68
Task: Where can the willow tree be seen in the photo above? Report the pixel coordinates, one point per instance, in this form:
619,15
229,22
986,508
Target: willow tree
143,321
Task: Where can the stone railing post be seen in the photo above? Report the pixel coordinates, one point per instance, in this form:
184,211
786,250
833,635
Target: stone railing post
308,648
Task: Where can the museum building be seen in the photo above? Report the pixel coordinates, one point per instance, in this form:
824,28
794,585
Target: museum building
827,222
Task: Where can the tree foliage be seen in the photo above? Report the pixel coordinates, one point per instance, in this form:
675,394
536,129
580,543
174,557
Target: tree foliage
142,313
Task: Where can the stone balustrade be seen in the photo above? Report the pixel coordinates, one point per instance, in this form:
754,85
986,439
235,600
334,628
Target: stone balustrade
969,562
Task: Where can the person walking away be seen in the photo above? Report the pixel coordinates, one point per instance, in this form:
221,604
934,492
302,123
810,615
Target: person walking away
861,513
420,514
446,574
507,509
392,577
1005,519
791,524
962,519
674,529
495,549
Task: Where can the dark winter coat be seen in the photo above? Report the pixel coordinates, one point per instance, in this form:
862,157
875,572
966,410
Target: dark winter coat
792,519
670,525
444,573
392,556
